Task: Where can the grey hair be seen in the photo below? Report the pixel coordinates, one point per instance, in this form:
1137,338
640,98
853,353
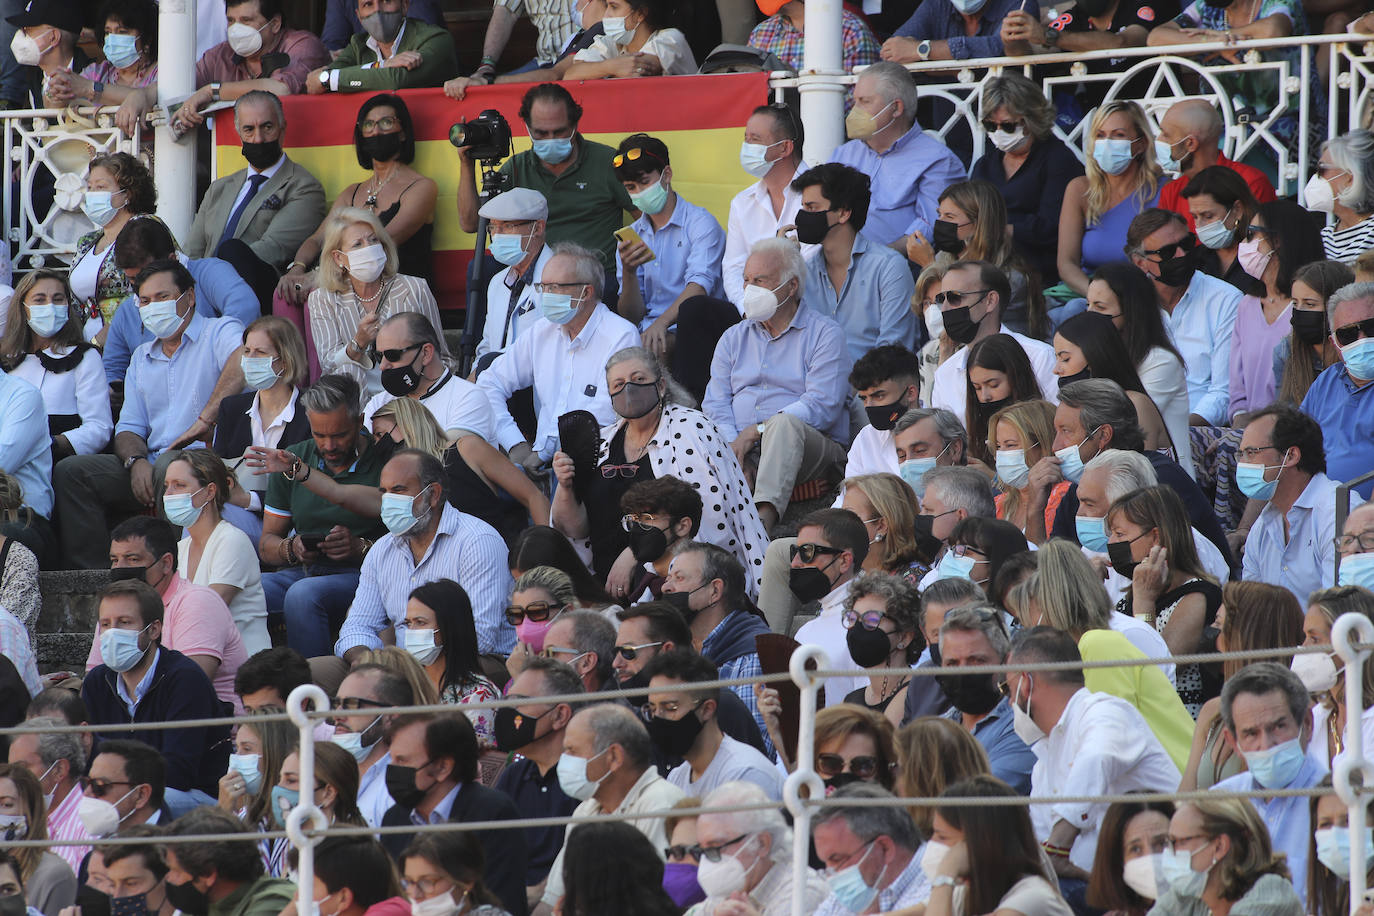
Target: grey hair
54,746
761,820
332,392
550,579
893,81
1126,472
952,592
902,600
963,488
868,823
592,632
559,678
1020,96
1352,292
947,425
587,267
1104,403
979,618
612,723
430,470
675,392
260,97
789,256
1354,152
1259,678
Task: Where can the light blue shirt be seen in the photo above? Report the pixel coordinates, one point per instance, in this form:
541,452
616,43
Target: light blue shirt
441,811
1201,326
874,305
163,395
1305,561
141,689
688,249
803,371
1288,819
907,182
220,292
1345,413
25,445
1010,757
466,550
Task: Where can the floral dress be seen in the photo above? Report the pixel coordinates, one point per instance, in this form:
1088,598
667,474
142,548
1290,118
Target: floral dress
476,689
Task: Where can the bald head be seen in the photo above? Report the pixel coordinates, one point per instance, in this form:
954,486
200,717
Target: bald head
1197,118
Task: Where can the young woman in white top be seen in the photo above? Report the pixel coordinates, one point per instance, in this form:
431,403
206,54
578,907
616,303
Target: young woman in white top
43,345
215,553
637,42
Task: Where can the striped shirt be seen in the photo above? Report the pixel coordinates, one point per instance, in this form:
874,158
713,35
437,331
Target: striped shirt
554,20
1347,244
466,550
63,824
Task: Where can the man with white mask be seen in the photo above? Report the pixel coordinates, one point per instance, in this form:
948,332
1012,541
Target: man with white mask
58,760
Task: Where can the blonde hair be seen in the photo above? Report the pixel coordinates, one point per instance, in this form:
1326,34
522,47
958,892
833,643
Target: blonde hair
1034,423
550,579
1067,590
1251,855
286,340
418,427
987,210
335,278
935,753
933,273
895,502
399,661
1150,172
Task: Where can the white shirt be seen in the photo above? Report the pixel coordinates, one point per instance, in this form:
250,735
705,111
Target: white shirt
950,388
1161,372
268,172
827,630
1304,561
873,452
502,325
752,220
1201,325
1145,638
668,45
566,375
1100,746
269,436
456,404
374,801
229,559
81,392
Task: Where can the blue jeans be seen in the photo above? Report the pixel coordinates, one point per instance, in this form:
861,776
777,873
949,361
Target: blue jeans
179,801
315,601
1059,314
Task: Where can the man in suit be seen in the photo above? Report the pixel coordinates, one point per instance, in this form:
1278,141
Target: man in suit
396,52
433,780
257,217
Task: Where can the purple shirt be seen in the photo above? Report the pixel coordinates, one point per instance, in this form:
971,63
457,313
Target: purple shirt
291,61
1252,355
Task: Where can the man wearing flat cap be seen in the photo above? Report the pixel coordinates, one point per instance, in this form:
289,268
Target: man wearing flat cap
517,221
44,44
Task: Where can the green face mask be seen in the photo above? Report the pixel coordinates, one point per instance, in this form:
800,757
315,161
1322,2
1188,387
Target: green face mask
651,200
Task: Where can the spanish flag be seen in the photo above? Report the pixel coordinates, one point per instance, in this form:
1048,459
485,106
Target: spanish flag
700,118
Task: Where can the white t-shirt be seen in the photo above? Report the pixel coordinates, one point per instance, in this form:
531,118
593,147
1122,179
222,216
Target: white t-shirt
229,559
456,404
1034,896
734,760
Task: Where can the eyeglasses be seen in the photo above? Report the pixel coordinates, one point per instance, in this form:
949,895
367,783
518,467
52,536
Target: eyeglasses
641,519
1172,843
537,611
1251,231
833,765
808,552
355,703
869,619
1173,249
956,299
679,853
630,653
1250,454
631,155
619,470
395,356
964,550
101,787
1348,334
427,886
558,287
713,853
387,123
1346,541
1006,127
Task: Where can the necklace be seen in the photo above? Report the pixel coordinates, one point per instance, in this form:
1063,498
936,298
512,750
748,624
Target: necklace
376,188
373,298
1335,734
885,693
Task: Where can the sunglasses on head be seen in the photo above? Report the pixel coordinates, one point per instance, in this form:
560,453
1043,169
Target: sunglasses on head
808,552
833,765
395,355
537,611
631,155
1349,333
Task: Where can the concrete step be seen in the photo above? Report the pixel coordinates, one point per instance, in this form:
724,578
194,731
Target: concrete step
66,623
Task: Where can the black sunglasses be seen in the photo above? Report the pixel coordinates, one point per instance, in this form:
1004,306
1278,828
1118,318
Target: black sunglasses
1173,249
99,788
355,703
1252,231
1006,127
713,853
394,356
833,765
678,853
956,299
1348,334
808,552
630,653
537,611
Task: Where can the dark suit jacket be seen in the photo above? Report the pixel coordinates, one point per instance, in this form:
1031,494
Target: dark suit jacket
234,430
286,210
505,849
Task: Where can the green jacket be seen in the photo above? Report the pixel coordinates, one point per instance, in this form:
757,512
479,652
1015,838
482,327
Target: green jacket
263,897
434,44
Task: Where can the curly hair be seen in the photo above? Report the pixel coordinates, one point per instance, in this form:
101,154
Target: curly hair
132,177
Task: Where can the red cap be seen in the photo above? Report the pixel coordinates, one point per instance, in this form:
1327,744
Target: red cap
769,7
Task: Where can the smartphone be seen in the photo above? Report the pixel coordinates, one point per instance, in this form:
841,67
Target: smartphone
628,234
311,542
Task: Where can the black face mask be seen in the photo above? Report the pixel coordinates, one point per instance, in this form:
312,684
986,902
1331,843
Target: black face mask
808,583
868,648
675,737
885,416
927,544
400,381
382,147
985,409
945,237
186,898
1178,272
385,448
647,544
400,783
636,681
261,155
812,226
1083,375
125,573
975,694
636,399
1119,554
13,905
959,325
515,729
681,601
1309,327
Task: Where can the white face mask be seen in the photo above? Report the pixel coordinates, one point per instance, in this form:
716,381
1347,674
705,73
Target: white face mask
726,877
25,49
935,321
1022,723
420,643
759,303
1145,875
932,856
1008,141
438,905
367,264
1317,671
244,40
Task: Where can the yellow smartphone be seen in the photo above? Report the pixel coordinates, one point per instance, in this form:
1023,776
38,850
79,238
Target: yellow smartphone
628,234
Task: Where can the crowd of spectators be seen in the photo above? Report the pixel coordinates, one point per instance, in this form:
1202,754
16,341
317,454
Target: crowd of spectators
917,411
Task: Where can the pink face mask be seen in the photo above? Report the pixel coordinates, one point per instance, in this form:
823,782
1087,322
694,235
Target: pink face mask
532,633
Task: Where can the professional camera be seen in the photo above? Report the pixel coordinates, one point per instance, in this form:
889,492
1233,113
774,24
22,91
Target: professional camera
487,136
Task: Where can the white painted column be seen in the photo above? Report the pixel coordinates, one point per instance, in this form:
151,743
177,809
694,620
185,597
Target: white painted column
174,164
822,94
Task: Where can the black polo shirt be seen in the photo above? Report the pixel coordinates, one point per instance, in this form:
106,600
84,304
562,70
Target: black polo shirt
537,795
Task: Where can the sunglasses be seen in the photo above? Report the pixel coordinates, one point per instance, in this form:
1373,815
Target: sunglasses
1348,334
678,853
1173,249
956,299
354,703
394,356
808,552
632,155
713,853
1006,127
100,788
630,653
1252,232
833,765
537,611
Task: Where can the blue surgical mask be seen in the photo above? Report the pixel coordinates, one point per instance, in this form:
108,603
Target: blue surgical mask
1113,155
1165,154
508,248
969,7
119,648
1092,533
99,207
614,27
283,800
913,471
121,50
178,509
558,308
554,150
249,766
1359,358
652,199
353,742
161,318
1278,766
753,158
1216,235
1177,867
46,320
1011,467
398,512
1250,479
849,888
1333,849
258,372
1070,461
955,567
1357,569
572,776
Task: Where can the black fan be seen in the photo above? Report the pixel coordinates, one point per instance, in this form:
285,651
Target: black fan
580,436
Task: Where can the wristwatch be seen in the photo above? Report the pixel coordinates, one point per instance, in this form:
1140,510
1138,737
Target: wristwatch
923,49
214,92
760,428
324,78
944,881
1051,38
129,462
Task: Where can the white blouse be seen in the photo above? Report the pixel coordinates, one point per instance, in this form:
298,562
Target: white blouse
229,559
668,45
79,391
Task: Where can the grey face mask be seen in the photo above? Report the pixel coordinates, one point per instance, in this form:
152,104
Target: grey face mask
383,26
